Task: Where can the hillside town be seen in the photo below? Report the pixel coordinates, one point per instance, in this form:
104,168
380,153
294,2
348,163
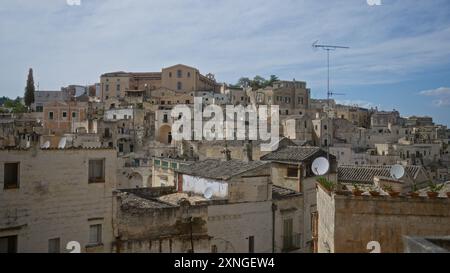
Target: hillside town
99,168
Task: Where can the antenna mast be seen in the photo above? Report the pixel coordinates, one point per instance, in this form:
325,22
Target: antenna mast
328,48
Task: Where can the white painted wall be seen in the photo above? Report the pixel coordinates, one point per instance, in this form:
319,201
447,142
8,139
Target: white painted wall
198,185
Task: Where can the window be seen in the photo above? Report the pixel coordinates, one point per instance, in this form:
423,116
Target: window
157,162
8,244
120,147
64,114
131,148
118,87
11,176
107,88
173,165
74,114
95,234
189,74
170,74
288,242
96,171
179,85
54,246
50,115
165,164
179,73
292,172
114,117
188,101
251,244
325,127
125,117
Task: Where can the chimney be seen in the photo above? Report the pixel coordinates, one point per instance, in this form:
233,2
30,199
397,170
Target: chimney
248,151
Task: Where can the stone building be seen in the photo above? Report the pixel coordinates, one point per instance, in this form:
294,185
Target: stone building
292,97
159,220
358,116
240,212
349,224
291,169
179,78
42,210
42,97
384,118
61,117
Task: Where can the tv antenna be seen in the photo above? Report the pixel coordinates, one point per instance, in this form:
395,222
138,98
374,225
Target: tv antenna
328,49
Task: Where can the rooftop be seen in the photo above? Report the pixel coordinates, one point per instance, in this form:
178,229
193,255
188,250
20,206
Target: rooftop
280,192
220,170
293,154
365,173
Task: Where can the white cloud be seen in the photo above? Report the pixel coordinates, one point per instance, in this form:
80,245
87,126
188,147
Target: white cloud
442,95
230,38
441,91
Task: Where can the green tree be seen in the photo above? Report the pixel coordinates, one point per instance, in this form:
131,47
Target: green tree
29,90
244,81
273,78
258,82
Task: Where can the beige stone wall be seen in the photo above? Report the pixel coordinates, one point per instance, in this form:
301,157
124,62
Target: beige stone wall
326,222
160,230
171,78
290,208
108,85
348,224
231,224
55,199
60,124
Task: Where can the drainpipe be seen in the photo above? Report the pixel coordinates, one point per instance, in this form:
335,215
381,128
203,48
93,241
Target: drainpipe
274,209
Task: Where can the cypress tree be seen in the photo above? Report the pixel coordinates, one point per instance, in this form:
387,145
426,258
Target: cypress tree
29,90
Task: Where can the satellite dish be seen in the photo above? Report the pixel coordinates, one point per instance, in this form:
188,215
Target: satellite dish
208,193
397,171
320,166
62,143
46,145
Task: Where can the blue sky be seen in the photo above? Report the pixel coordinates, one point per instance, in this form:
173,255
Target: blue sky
399,56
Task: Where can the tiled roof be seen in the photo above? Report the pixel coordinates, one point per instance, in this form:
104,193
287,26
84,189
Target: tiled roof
280,192
293,154
218,169
132,201
366,173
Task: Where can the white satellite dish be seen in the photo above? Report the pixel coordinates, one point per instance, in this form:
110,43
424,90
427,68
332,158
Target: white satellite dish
208,193
62,143
397,171
320,166
46,145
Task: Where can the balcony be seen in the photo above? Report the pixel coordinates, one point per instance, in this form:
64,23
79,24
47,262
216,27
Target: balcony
292,242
